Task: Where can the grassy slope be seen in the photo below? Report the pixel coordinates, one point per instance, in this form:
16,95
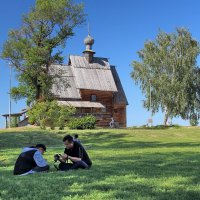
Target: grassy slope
128,164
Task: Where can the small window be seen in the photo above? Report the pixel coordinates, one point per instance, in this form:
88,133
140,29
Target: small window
93,97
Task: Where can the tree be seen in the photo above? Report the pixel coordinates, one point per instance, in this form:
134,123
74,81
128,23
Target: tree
37,44
168,71
194,120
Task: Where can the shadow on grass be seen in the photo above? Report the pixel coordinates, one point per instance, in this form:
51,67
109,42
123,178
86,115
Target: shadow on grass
158,127
154,164
100,139
28,138
109,140
140,145
125,176
130,174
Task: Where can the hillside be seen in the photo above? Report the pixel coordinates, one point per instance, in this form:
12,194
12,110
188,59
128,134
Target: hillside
127,164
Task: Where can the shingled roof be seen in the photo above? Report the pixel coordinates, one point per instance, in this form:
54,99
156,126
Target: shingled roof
81,62
80,74
65,87
92,76
119,97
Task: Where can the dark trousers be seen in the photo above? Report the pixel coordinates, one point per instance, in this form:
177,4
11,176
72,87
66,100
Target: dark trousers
41,169
76,165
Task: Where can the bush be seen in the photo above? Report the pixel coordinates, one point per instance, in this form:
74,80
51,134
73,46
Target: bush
49,113
87,122
156,127
14,122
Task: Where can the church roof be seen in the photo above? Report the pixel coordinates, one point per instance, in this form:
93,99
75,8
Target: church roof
92,76
80,74
82,104
64,87
119,97
81,62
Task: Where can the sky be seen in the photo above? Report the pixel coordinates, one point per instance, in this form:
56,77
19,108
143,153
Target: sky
120,28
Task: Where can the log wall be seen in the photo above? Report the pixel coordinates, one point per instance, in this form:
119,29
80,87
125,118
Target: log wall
118,112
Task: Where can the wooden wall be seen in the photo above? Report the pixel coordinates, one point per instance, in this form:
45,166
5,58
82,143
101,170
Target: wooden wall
118,112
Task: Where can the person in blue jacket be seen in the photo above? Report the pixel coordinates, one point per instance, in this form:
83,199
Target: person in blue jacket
31,161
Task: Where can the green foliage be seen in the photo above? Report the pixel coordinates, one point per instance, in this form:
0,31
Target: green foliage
86,122
127,164
37,44
49,113
23,91
168,71
14,121
156,127
194,120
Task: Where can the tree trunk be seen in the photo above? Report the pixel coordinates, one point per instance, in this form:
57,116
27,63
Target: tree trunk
38,92
166,118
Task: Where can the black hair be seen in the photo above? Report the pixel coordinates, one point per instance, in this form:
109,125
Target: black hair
76,136
41,146
69,138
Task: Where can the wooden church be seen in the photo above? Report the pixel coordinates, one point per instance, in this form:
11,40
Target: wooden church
94,87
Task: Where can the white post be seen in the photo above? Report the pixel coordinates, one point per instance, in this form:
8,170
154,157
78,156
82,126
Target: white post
151,116
10,96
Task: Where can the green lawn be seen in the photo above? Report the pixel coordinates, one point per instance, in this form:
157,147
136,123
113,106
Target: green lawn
127,164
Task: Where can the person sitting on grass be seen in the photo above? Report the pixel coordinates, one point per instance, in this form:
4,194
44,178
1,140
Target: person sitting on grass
76,153
31,161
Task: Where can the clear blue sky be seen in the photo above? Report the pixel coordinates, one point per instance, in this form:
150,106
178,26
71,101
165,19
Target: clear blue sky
120,28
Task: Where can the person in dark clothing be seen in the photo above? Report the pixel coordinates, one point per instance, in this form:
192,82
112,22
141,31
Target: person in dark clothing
75,138
76,153
31,161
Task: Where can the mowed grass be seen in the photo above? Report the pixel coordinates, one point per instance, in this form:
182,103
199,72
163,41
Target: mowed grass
127,164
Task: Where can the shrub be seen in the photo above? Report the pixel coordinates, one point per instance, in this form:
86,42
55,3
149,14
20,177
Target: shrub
87,122
14,122
49,113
